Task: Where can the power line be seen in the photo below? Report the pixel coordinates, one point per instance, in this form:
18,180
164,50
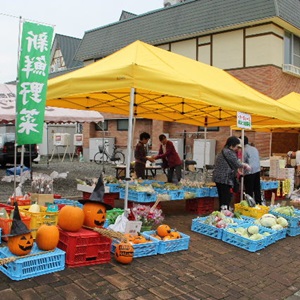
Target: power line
20,17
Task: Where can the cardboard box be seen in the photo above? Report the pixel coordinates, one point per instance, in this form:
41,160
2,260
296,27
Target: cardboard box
42,199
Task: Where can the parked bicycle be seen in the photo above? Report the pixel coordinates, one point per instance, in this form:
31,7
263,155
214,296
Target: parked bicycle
103,156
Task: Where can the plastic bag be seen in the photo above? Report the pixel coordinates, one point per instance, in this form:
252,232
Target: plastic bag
120,223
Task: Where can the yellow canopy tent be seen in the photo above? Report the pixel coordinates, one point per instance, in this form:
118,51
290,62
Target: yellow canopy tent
148,82
167,86
292,101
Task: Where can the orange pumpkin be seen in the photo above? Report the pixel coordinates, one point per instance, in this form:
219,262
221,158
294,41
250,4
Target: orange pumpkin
94,214
163,230
20,244
175,234
124,253
47,237
130,237
139,239
70,218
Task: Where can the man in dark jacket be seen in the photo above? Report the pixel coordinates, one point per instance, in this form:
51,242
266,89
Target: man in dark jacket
170,158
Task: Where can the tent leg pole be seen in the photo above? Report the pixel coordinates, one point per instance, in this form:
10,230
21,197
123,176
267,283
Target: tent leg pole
129,143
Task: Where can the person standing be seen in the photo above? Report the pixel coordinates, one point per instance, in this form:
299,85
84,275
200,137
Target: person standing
225,171
140,155
170,158
252,177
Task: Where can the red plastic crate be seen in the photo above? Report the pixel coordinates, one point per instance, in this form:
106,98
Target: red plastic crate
109,198
86,195
85,247
20,200
5,224
200,206
7,207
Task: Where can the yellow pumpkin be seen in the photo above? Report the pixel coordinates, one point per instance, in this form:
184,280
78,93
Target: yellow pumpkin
20,244
47,237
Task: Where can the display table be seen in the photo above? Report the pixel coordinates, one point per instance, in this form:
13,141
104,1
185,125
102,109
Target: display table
150,171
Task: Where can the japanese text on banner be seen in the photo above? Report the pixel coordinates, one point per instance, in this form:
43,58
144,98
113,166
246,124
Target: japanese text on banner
243,120
32,85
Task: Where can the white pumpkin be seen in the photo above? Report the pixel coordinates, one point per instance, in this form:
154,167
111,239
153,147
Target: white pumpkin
35,208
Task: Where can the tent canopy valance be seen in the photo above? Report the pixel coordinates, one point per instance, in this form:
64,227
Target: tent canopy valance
168,87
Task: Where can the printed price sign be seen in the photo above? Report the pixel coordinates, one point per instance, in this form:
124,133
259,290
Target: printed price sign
243,120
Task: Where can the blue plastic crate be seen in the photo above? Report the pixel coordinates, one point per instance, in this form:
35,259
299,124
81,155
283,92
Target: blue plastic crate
246,243
199,226
68,202
176,194
281,234
294,222
199,192
274,185
140,250
213,192
138,196
170,245
265,185
37,263
113,187
293,231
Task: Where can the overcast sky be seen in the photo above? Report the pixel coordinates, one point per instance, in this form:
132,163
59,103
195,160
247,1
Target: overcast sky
70,18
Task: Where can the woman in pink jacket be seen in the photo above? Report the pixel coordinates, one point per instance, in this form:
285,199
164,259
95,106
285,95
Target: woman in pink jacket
170,158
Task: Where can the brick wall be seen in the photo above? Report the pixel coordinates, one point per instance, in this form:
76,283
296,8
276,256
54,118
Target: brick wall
269,80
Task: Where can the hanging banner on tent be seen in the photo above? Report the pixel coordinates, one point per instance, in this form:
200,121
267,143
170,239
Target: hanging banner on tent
243,120
32,85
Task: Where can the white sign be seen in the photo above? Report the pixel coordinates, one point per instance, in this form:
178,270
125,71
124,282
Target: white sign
243,120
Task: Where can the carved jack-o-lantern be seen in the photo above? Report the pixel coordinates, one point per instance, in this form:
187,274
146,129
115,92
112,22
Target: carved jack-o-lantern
94,214
124,253
20,244
163,230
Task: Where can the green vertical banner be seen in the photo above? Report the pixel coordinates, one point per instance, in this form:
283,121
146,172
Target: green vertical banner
32,85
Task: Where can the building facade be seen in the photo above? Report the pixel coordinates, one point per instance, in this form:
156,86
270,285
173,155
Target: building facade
257,41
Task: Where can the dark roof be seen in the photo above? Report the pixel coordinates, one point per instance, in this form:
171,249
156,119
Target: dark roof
68,46
126,15
181,21
62,72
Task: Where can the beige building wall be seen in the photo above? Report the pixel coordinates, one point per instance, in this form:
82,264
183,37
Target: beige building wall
267,28
264,50
228,49
186,48
164,47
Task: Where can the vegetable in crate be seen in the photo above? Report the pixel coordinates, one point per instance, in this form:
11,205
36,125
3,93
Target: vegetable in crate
271,221
286,210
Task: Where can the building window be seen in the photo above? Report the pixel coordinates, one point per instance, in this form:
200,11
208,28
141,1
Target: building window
202,128
291,53
122,125
101,126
